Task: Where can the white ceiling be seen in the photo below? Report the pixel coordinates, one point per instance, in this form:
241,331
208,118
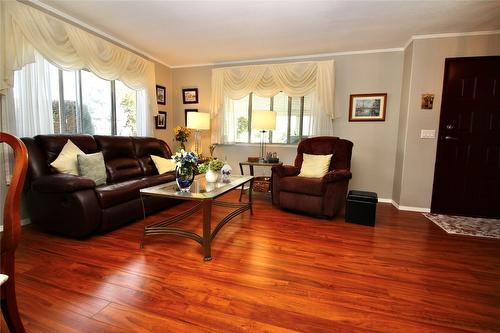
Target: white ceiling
180,33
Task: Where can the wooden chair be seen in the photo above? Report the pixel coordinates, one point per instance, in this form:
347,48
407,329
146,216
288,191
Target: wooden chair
11,233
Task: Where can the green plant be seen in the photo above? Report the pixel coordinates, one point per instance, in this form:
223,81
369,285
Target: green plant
214,165
203,167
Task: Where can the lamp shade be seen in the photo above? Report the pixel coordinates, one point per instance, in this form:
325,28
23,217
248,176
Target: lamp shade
198,120
263,120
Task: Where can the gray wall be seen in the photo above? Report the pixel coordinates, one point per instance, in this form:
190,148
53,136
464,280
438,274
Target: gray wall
374,152
426,76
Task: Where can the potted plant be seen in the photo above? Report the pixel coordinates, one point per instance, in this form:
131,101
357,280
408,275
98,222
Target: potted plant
184,171
211,169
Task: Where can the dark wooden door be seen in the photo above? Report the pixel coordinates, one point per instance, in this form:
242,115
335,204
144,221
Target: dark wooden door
467,173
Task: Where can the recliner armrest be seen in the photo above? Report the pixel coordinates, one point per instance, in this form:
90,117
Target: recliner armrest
336,175
285,170
61,183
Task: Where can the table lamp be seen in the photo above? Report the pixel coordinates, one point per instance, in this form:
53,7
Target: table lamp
198,121
263,120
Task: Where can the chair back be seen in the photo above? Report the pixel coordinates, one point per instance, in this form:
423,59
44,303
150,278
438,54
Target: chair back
325,145
11,216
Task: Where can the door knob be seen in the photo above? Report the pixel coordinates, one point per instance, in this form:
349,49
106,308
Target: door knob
449,127
450,138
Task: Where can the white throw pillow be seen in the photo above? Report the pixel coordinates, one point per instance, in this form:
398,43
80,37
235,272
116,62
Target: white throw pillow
163,164
67,161
315,166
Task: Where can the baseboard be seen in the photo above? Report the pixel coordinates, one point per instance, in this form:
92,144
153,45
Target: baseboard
23,222
409,208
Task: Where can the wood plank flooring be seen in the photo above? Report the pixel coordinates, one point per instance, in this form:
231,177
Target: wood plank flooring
274,271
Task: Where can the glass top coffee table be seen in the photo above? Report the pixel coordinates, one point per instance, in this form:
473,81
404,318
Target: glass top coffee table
205,193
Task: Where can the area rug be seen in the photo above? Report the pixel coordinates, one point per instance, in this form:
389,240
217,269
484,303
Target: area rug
470,226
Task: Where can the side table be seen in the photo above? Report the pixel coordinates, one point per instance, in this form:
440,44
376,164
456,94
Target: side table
251,166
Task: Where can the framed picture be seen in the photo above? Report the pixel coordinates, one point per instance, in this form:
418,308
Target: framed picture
161,95
190,96
186,115
161,120
427,101
367,107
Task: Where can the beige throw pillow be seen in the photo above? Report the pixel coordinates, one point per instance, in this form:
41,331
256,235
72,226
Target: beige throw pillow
163,164
92,166
315,166
67,161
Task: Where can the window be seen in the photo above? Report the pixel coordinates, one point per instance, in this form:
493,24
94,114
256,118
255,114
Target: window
293,118
84,103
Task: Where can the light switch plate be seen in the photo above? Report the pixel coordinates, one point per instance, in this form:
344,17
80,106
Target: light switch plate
427,134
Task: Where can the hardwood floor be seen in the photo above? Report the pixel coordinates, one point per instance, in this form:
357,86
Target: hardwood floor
274,271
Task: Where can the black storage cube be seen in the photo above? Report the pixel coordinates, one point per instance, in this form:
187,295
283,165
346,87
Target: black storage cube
361,207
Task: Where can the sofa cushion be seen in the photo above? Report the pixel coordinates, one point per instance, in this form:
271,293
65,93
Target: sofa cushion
119,155
315,166
92,166
164,165
144,148
305,185
115,194
66,161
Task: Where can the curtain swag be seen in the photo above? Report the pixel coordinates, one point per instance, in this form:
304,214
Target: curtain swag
295,79
24,30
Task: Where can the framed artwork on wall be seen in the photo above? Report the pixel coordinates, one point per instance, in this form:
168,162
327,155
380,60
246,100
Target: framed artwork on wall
427,101
186,115
367,107
161,95
190,96
161,120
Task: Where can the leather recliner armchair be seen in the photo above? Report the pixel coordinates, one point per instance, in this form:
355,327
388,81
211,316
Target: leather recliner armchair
317,196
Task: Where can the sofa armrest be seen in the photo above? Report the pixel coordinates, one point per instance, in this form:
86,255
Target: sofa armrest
285,171
336,175
61,183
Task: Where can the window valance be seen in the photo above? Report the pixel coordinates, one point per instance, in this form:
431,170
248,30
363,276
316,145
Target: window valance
295,79
25,29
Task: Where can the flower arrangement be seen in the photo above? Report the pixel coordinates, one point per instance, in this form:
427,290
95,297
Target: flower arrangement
182,134
185,161
214,165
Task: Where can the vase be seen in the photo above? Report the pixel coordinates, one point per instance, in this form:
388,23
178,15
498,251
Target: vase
184,177
183,146
211,176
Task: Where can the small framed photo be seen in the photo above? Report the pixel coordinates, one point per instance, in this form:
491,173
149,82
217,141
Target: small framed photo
190,96
427,101
161,95
161,120
186,115
367,107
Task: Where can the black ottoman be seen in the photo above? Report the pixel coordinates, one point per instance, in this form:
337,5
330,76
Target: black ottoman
361,207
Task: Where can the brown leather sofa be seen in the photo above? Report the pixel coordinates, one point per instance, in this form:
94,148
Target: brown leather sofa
317,196
73,205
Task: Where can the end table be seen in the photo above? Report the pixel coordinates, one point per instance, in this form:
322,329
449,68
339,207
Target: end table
251,166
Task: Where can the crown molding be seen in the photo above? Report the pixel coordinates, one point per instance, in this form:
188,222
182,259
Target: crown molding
451,34
82,25
298,57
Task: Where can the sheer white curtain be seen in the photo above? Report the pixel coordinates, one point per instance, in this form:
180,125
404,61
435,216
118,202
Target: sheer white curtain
32,100
24,30
294,79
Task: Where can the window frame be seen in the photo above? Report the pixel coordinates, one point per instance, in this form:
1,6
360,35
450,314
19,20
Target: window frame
289,122
79,101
